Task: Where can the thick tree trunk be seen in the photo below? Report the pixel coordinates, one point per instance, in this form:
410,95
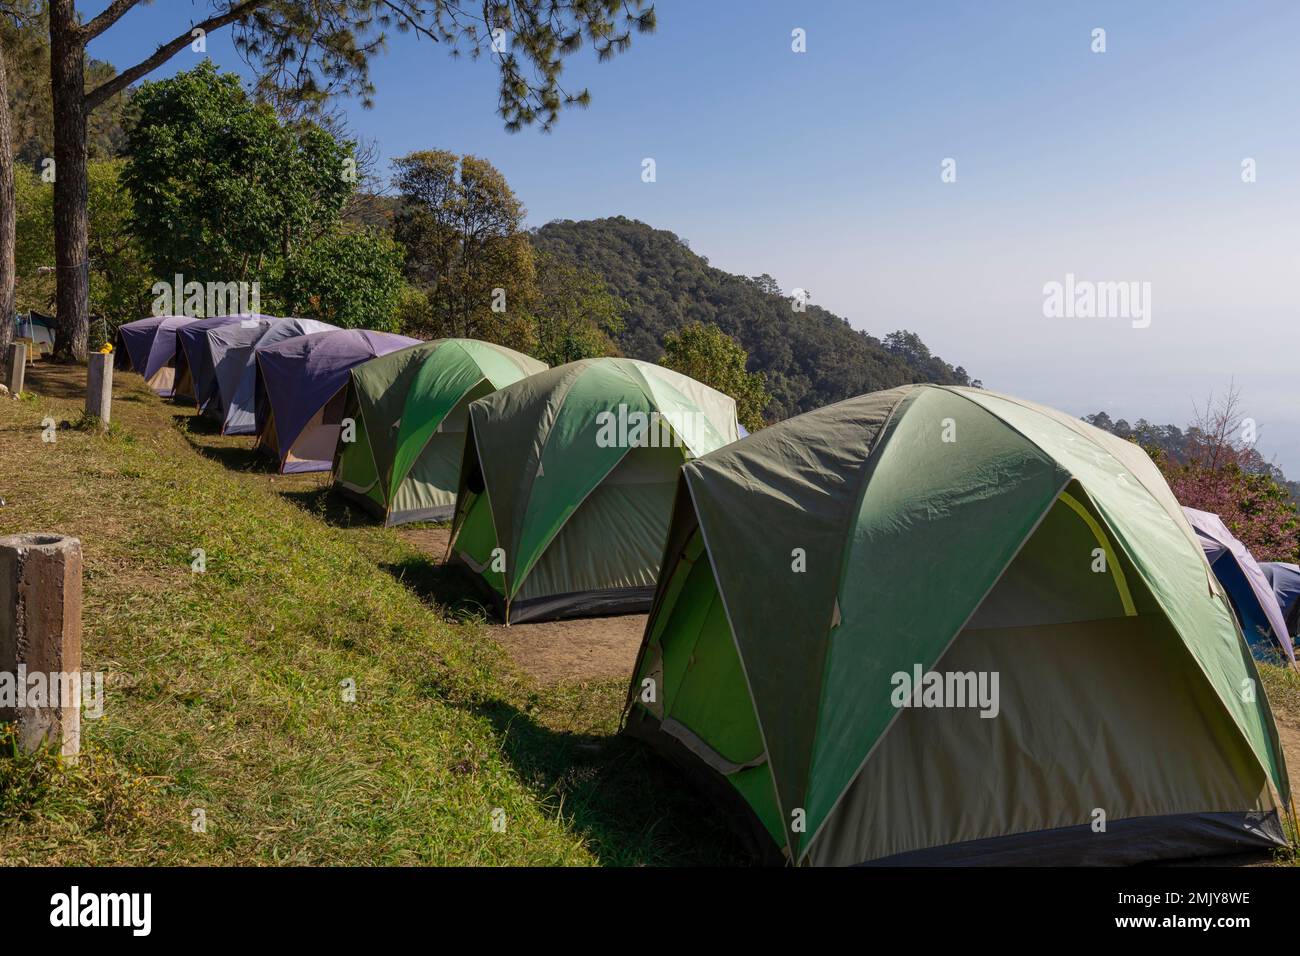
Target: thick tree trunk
8,219
71,189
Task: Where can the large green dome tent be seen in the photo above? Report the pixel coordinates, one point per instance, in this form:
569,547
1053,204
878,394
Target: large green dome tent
940,625
410,409
567,483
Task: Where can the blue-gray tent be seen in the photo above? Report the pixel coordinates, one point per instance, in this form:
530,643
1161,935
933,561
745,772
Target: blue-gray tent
233,349
196,378
1285,579
1248,589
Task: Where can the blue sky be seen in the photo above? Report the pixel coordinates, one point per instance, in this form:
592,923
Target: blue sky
823,169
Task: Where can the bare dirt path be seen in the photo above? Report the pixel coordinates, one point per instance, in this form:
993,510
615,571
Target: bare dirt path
580,649
1290,736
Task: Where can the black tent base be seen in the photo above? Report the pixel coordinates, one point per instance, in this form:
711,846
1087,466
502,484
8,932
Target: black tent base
1182,836
557,607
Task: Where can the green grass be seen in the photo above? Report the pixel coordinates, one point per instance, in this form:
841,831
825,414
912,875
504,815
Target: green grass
223,688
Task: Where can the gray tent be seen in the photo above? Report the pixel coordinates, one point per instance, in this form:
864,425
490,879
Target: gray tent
233,349
195,376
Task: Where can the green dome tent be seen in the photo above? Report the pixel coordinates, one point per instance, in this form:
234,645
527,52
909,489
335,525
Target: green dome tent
567,483
938,625
410,409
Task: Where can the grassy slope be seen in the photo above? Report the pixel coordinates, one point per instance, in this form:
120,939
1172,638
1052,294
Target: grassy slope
224,687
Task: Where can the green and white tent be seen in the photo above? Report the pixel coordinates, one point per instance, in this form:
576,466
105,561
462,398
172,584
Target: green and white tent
568,479
941,625
410,409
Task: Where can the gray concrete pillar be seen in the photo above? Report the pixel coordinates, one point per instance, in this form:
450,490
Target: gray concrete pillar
40,639
17,367
99,387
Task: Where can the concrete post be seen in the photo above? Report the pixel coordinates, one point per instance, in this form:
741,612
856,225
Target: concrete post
40,637
17,367
99,387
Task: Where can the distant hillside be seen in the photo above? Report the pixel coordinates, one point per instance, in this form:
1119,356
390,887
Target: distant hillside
811,358
1175,442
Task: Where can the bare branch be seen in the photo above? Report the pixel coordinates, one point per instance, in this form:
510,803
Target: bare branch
112,13
165,52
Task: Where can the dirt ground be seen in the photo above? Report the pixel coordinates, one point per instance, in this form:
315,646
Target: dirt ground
1290,736
578,649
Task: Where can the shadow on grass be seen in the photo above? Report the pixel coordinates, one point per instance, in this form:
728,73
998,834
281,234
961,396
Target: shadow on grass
236,459
205,438
451,588
630,806
196,424
52,380
324,503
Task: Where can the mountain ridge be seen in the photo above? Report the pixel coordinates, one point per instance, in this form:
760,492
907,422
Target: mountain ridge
811,358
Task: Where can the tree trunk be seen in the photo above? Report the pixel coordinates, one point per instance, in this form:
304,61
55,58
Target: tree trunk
71,188
8,219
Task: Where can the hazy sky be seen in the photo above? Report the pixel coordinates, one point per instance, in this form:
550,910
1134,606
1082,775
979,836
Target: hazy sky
823,169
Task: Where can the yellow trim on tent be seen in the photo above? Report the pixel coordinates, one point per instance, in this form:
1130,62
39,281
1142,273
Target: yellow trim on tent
1116,571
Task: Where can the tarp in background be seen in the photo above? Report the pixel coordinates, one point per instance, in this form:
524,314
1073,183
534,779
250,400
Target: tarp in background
39,328
1252,595
1285,579
234,363
195,377
298,377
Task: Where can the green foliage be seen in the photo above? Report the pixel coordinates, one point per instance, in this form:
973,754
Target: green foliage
25,778
460,224
120,277
33,242
223,191
707,354
909,347
810,358
352,279
574,316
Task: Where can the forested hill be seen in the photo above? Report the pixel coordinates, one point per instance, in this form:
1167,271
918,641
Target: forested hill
811,358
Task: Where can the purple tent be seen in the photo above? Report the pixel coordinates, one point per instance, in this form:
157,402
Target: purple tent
1247,586
131,350
148,346
300,391
195,376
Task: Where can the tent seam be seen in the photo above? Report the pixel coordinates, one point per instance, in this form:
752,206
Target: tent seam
744,669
